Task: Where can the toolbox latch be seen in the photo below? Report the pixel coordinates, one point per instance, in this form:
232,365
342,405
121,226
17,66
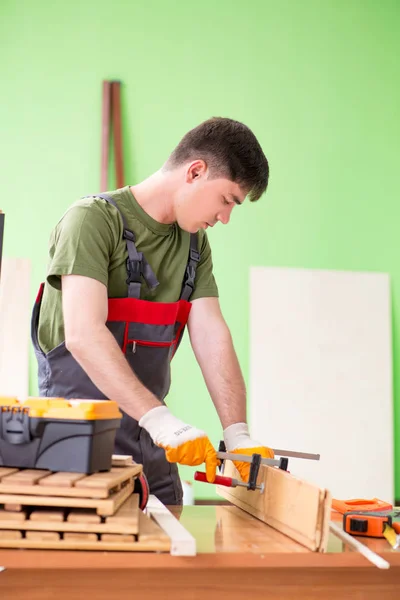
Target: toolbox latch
14,426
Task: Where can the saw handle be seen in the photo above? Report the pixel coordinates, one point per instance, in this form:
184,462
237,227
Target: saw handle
219,479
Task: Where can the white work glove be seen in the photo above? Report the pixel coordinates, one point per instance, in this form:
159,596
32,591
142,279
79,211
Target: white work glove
238,441
182,443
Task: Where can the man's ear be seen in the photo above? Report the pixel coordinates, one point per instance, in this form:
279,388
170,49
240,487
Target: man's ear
196,170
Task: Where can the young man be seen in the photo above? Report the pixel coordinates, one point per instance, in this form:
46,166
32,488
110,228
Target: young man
128,269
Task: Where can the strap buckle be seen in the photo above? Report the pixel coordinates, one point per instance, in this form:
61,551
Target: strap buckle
194,255
129,235
190,276
134,269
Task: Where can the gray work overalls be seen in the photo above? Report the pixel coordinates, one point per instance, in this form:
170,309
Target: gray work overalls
148,334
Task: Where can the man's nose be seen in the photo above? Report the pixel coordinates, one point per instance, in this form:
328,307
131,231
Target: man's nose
224,216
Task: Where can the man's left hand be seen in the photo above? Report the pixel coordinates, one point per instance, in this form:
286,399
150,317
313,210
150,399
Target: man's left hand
238,441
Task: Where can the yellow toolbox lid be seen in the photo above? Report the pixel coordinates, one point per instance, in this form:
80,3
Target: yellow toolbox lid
60,408
8,401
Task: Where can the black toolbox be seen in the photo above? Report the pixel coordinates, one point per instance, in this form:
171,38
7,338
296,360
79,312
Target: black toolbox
58,434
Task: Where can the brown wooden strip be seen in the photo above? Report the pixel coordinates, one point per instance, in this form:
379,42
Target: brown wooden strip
117,537
105,134
13,507
83,516
10,534
43,490
8,515
4,471
110,478
42,536
61,479
121,460
25,477
149,531
145,546
109,507
47,515
80,537
292,506
128,513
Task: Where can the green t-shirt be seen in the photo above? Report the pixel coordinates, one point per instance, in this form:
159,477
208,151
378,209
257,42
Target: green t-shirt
88,241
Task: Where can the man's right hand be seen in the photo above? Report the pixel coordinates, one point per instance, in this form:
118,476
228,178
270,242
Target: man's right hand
182,443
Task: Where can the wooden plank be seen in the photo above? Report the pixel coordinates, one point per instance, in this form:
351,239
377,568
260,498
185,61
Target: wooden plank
182,542
45,488
294,507
328,329
83,545
25,477
42,490
80,537
9,535
117,537
105,133
127,514
8,515
15,314
117,133
83,516
121,460
104,507
4,471
42,536
61,479
47,515
149,530
13,507
110,478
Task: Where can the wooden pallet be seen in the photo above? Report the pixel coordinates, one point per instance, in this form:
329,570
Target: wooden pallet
104,507
293,506
129,529
77,485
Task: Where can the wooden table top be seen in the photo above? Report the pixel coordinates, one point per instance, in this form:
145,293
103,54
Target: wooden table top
232,546
221,532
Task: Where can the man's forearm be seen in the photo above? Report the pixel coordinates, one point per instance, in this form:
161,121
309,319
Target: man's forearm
223,376
100,356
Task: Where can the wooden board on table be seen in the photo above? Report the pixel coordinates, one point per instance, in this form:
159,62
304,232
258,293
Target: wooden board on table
79,485
15,312
103,506
294,507
321,353
124,521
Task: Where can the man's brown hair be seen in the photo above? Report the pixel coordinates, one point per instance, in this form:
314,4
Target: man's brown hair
230,149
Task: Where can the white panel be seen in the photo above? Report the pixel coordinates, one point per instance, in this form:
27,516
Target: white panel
321,375
15,310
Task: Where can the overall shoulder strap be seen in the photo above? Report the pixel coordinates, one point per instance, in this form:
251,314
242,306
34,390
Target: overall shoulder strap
190,273
136,264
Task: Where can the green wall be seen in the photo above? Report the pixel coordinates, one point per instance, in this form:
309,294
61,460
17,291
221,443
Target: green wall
318,82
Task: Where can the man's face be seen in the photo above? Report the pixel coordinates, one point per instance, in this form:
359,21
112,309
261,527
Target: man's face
203,202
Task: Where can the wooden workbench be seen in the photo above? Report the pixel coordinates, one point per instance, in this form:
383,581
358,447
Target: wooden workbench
238,557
